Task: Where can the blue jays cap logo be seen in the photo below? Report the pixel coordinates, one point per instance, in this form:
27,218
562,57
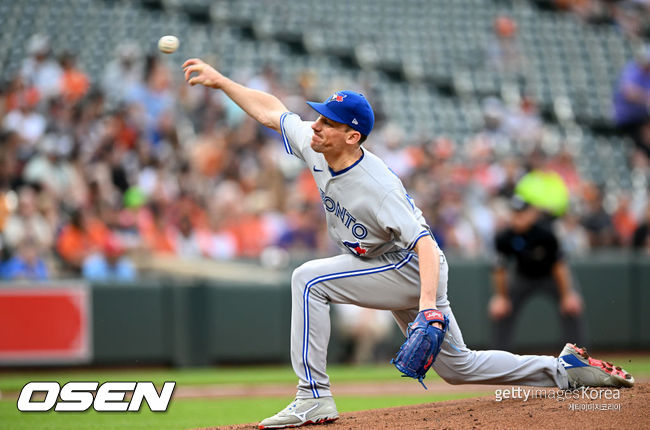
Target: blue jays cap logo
336,97
347,107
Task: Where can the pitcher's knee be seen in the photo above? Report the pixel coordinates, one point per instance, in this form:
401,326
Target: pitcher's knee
457,370
301,276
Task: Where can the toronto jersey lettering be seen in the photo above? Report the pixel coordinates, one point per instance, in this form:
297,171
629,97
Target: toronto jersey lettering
358,230
367,209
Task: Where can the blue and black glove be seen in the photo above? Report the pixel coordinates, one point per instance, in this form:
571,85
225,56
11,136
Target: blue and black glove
423,344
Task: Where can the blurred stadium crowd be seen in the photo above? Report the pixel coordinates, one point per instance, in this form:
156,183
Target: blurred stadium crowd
101,171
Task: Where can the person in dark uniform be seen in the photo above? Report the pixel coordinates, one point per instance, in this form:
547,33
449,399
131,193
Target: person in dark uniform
539,267
641,237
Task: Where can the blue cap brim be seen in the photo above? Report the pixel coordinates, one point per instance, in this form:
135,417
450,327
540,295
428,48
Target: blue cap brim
322,109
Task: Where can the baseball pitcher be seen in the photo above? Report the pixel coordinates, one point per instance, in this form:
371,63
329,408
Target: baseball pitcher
389,260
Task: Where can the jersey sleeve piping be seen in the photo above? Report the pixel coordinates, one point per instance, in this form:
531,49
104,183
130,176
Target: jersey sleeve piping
285,140
420,236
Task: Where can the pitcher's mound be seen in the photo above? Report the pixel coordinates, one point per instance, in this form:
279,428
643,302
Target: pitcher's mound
591,408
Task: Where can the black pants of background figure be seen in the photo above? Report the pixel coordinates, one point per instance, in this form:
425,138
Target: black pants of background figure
522,289
639,132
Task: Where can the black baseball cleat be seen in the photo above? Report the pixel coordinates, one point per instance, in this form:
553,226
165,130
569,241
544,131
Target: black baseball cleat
585,371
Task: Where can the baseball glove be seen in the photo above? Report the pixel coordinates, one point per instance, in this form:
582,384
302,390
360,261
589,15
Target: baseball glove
422,346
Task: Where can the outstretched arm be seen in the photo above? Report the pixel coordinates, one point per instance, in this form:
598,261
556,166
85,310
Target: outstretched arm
429,260
263,107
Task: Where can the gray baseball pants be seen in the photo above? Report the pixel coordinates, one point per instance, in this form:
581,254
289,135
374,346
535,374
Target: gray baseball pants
392,282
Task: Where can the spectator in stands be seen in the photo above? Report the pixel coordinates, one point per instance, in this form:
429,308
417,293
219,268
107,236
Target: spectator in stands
58,114
632,98
562,163
641,237
390,146
18,91
123,73
484,171
156,232
539,267
110,264
596,220
252,232
573,237
39,69
591,11
5,211
458,232
209,152
265,81
27,263
11,160
216,241
301,235
82,151
84,235
25,120
513,171
50,168
523,123
503,53
631,16
623,221
186,243
493,138
74,83
28,222
153,97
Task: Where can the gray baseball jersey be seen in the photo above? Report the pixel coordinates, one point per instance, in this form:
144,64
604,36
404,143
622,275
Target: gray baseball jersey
368,210
372,218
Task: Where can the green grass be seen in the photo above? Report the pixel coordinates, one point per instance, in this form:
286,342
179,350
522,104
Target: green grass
192,413
639,366
13,382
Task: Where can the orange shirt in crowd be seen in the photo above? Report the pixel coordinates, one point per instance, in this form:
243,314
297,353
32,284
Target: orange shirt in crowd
251,235
625,225
158,240
74,85
156,235
28,96
307,187
74,244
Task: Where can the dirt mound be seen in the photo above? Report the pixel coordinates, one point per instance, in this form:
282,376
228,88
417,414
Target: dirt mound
548,408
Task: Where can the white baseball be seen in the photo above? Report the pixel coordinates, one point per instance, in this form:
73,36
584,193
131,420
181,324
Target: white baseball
168,44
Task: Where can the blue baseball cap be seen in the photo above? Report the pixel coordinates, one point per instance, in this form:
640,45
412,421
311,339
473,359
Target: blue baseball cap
349,108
